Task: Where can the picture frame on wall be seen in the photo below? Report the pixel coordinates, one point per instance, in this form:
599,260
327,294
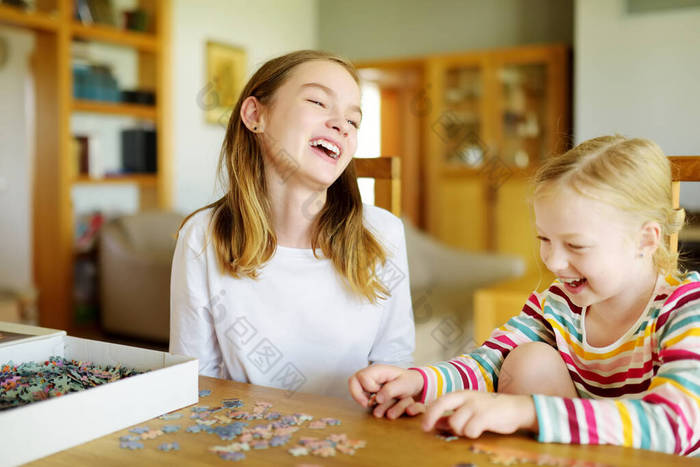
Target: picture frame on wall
225,75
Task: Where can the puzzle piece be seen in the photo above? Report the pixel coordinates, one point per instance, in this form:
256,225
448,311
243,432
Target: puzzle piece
298,451
132,445
232,403
232,456
139,430
171,416
151,434
446,436
174,446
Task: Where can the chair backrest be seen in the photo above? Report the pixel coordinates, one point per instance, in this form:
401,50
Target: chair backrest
683,169
386,171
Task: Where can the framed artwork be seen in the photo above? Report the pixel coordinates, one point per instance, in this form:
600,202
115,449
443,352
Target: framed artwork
225,74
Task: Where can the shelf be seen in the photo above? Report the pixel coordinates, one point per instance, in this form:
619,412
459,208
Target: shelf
146,112
142,41
33,20
143,180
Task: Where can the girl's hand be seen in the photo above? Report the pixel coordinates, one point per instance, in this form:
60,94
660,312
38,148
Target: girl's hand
476,412
394,389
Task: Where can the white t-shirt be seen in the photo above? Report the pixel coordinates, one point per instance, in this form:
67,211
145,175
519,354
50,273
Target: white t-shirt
296,327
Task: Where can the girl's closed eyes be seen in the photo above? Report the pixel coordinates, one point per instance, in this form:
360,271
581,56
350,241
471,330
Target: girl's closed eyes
321,104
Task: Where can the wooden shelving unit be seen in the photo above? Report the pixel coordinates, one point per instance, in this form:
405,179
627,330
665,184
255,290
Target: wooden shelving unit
30,20
141,41
55,29
144,112
143,180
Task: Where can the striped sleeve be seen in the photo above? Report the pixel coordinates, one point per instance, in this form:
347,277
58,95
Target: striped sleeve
480,369
666,417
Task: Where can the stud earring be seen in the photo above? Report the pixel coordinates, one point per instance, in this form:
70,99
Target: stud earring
255,128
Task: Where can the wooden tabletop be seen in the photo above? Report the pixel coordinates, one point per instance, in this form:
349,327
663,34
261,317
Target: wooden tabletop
389,443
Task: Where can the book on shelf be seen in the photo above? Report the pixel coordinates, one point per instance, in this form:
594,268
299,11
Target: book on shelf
102,12
82,12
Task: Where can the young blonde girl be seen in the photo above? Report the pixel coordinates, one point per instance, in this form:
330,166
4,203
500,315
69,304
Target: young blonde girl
279,282
610,352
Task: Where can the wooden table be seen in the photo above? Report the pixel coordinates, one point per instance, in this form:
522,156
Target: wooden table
389,443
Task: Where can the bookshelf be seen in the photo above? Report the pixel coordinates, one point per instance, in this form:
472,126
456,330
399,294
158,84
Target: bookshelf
143,112
55,29
39,21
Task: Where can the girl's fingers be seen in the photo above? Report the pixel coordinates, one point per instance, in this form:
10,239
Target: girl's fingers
391,390
474,427
458,421
415,409
402,385
357,392
399,408
369,380
437,409
380,409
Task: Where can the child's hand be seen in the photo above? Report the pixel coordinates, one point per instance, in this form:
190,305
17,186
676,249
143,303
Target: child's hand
476,412
393,387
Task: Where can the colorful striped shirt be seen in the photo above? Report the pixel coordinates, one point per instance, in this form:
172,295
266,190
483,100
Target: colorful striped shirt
642,391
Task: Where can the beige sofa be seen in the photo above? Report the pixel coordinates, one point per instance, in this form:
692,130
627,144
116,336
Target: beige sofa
443,282
134,272
136,254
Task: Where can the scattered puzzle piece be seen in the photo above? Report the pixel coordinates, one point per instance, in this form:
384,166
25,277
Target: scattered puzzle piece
298,451
232,456
132,445
277,431
171,416
151,434
509,456
447,436
232,403
195,428
174,446
204,393
139,430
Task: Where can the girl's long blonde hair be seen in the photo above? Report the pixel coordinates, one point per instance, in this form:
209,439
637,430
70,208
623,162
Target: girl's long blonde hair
632,174
241,228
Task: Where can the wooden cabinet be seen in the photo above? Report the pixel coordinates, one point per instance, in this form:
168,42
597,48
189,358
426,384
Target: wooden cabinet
494,116
54,176
471,128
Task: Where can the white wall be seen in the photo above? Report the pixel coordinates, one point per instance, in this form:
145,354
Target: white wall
265,28
16,106
639,75
371,29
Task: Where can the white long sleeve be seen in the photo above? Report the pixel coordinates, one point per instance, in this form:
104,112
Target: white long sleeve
296,327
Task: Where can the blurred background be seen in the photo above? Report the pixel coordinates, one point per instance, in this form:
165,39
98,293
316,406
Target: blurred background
112,115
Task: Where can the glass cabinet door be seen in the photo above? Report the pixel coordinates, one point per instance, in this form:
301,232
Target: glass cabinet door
460,126
522,113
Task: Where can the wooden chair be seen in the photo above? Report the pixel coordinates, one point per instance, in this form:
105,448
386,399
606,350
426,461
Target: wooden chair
386,171
683,169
